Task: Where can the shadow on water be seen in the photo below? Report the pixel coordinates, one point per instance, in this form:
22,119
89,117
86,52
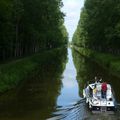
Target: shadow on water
36,98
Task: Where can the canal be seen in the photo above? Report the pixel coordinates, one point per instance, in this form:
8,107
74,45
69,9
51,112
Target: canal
54,90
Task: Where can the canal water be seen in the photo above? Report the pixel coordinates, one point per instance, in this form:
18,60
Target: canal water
54,90
70,90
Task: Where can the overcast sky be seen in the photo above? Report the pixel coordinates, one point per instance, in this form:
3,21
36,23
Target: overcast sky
72,9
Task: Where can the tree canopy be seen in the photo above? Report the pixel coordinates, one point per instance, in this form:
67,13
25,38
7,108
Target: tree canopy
30,26
99,26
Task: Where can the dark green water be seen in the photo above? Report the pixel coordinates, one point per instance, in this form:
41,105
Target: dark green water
56,85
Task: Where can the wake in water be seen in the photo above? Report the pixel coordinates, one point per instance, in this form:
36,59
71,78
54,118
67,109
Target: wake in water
79,111
72,112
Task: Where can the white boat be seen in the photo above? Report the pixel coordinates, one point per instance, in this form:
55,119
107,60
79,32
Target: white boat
94,98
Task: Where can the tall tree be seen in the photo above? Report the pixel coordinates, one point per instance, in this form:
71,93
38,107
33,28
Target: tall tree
99,25
28,26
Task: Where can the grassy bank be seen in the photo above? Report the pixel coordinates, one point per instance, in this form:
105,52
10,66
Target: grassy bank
108,61
12,73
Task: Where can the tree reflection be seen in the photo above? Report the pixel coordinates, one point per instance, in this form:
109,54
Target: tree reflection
88,69
36,98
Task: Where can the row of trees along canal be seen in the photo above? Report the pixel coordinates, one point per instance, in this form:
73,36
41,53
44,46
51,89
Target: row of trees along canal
99,26
30,26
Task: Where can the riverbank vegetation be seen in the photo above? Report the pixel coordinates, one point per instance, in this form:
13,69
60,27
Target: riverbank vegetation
107,61
98,30
87,69
36,96
13,73
30,26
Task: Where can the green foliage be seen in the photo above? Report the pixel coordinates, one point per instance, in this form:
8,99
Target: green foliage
99,26
12,73
30,26
108,61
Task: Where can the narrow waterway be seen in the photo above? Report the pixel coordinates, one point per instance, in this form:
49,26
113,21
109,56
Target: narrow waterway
70,90
54,90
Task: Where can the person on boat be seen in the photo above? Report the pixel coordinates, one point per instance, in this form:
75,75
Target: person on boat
91,92
95,91
104,89
96,80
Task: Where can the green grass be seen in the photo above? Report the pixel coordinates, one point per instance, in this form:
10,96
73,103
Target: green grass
108,61
12,73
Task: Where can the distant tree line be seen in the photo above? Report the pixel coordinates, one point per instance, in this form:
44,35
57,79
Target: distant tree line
30,26
99,26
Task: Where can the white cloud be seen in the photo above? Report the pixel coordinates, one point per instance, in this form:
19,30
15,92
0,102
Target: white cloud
72,9
72,14
72,4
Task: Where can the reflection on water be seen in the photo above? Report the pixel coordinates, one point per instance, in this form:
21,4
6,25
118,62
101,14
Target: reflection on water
55,89
87,70
70,89
36,98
